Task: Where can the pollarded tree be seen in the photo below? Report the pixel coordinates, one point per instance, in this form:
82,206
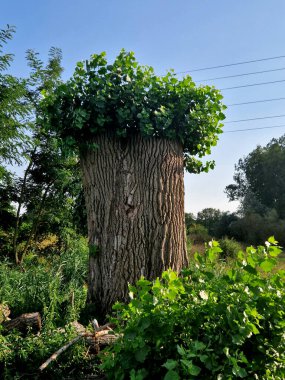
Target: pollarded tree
135,133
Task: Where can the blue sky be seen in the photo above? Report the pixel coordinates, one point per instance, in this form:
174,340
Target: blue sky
183,35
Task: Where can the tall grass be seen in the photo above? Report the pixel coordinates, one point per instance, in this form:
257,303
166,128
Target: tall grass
55,285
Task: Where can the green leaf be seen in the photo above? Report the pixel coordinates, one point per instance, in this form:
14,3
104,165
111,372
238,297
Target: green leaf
170,364
251,261
172,375
141,374
250,269
253,328
172,276
181,350
274,251
141,354
191,368
239,371
272,240
199,345
267,265
240,256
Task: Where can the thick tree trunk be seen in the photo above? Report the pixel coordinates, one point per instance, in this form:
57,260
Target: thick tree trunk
134,191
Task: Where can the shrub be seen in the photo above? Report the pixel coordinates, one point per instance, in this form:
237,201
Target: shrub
230,247
210,323
199,234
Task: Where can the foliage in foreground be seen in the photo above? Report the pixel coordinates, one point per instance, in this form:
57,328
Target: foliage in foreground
212,323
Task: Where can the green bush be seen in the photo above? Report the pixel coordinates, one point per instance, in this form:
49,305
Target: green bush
198,234
210,323
230,247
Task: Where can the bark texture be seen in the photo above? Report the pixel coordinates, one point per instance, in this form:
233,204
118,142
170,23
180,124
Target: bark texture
134,192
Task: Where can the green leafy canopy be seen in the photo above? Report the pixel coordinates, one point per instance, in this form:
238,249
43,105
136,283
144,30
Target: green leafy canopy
125,98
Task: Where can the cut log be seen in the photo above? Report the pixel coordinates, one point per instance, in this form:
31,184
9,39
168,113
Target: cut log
24,322
102,337
96,340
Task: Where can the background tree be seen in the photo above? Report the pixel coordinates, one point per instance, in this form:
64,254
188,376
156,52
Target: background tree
52,183
209,218
135,133
190,219
223,227
14,108
41,201
260,179
42,156
259,186
217,222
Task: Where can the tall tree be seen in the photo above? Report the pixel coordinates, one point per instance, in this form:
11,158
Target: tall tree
260,179
209,217
14,108
135,133
47,193
47,186
44,196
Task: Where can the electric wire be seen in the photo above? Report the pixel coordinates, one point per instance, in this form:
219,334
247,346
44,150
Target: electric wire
241,75
253,129
252,84
231,64
245,86
255,101
255,118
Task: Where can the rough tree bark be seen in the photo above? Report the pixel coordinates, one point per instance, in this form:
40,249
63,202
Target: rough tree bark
134,192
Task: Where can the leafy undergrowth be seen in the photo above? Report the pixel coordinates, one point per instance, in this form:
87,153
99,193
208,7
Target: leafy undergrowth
210,323
56,287
216,321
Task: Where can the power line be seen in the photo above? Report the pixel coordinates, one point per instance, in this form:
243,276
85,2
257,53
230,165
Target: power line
255,118
253,84
253,129
231,64
255,101
241,75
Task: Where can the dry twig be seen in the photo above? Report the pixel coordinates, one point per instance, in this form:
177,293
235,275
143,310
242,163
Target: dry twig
101,336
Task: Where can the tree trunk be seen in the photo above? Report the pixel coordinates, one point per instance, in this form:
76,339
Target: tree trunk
134,192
